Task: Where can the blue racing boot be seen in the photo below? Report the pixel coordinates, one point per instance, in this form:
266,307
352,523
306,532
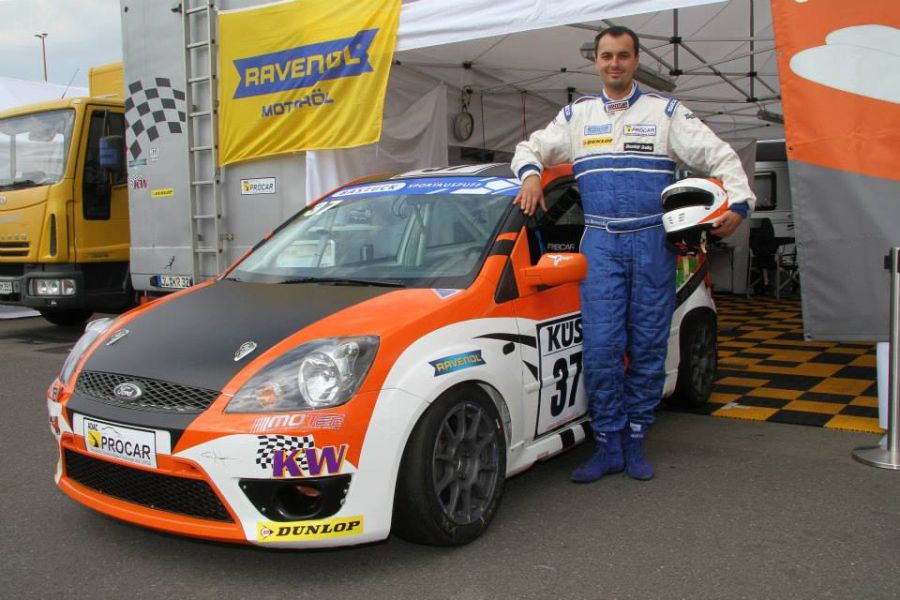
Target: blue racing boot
636,464
607,459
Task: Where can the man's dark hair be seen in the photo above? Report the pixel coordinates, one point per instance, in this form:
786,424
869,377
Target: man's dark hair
617,31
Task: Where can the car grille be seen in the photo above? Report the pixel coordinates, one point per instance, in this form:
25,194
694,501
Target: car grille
191,497
159,396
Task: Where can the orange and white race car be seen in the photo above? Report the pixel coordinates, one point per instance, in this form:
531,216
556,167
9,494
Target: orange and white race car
381,362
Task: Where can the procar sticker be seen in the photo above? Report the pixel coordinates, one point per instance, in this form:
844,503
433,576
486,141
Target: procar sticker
136,446
298,531
261,185
562,396
642,130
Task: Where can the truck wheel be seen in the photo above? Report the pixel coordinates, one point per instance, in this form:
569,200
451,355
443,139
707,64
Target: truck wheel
699,359
67,318
452,473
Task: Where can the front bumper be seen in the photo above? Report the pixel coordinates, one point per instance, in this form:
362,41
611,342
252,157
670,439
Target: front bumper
15,290
230,489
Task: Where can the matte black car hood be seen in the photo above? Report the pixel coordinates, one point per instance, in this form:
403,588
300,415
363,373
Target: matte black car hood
192,340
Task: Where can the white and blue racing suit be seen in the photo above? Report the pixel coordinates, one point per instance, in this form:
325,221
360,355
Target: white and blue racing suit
623,154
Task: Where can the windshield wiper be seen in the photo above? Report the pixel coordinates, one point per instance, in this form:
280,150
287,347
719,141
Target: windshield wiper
346,281
17,184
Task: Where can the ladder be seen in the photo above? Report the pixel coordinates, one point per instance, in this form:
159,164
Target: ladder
201,124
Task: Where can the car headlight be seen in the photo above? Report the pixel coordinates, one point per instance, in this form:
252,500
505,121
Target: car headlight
93,330
318,374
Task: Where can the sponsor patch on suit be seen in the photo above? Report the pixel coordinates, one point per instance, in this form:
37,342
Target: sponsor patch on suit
603,140
638,147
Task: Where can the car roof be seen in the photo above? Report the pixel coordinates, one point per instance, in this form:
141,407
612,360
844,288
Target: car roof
483,170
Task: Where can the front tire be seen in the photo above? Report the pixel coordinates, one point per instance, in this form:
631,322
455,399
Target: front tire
67,318
453,470
699,359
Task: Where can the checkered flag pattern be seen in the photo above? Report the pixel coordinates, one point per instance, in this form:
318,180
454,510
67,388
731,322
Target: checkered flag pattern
269,444
152,111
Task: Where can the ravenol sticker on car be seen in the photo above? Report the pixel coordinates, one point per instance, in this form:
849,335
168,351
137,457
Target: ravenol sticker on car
562,396
457,362
296,531
284,456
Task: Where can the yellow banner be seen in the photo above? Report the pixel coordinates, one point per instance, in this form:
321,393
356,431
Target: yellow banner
303,75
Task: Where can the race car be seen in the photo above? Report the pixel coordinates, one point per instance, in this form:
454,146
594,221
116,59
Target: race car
379,363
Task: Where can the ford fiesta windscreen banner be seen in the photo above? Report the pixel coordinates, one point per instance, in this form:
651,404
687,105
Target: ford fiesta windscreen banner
838,64
303,75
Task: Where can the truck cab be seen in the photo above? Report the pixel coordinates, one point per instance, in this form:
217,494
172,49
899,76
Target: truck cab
64,233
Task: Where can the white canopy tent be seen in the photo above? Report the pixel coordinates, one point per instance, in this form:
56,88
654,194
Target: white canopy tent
19,92
522,62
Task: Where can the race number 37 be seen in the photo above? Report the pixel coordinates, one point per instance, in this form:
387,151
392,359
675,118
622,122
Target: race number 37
562,395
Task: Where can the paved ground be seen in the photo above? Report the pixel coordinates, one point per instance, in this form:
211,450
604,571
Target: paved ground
739,509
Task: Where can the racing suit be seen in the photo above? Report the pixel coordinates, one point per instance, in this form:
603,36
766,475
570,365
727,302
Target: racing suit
623,154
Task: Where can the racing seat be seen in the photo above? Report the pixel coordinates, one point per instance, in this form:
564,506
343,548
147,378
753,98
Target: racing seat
771,254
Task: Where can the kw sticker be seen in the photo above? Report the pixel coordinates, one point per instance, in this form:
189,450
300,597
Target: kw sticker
298,531
289,457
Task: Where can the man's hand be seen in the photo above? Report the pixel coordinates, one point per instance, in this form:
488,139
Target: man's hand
530,195
726,225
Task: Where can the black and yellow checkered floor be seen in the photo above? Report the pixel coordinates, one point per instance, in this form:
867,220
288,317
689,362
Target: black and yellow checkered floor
767,372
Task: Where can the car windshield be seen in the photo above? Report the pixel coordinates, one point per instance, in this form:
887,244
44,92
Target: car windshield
429,232
34,148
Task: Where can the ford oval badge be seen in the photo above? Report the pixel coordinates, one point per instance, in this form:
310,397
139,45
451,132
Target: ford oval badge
245,349
128,391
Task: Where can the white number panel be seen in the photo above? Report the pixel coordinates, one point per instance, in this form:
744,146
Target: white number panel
562,396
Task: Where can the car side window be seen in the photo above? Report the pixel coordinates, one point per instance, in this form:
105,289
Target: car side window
560,228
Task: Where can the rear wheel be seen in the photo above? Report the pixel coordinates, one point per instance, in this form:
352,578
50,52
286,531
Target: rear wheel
453,469
67,318
699,359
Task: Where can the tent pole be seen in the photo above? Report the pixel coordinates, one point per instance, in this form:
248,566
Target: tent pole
888,456
752,57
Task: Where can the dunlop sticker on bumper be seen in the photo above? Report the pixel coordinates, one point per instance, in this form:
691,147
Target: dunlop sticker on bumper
299,531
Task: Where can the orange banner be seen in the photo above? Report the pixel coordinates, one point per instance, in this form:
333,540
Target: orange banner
838,63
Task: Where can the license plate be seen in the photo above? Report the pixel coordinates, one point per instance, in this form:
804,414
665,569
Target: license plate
177,282
6,287
136,446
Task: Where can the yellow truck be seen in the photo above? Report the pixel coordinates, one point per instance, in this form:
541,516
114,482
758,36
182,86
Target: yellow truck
64,236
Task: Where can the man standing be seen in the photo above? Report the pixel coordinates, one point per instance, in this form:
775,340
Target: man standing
623,145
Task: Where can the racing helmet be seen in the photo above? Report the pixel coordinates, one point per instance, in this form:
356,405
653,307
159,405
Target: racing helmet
690,207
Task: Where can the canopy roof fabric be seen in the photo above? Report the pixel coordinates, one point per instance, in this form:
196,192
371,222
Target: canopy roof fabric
19,92
532,46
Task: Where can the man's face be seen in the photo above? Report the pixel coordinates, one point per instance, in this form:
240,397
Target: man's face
617,61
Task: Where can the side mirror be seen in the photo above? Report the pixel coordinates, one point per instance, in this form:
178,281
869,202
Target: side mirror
556,268
112,153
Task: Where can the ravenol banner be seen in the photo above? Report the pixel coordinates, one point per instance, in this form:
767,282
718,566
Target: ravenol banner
303,75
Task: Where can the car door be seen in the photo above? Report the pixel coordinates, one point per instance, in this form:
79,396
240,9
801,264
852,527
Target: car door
555,395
